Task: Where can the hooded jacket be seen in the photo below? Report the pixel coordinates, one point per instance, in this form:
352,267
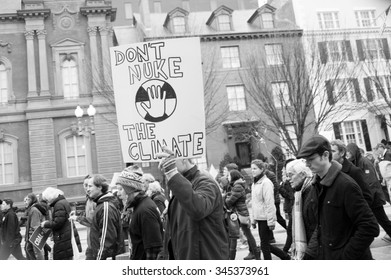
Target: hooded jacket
346,224
10,233
106,229
369,175
195,218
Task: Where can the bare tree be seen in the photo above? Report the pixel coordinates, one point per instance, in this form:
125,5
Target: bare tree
295,91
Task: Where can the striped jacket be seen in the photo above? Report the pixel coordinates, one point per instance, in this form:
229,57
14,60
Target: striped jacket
105,234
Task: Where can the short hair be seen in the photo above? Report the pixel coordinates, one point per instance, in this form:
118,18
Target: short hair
50,193
155,187
8,201
298,166
101,182
340,145
232,166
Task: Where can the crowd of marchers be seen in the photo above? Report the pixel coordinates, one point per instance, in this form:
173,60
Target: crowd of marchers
334,197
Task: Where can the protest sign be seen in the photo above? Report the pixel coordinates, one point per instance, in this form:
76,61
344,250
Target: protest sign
39,237
159,98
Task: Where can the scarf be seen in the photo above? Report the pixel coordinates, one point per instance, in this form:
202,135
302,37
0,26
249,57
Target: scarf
298,232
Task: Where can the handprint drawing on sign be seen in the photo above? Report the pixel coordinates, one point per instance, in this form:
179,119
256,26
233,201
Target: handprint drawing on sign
155,100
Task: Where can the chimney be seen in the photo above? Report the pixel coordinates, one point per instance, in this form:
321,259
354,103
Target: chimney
145,13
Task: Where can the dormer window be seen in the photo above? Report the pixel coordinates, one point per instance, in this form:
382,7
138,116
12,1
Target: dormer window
267,20
176,21
221,19
179,24
263,17
224,22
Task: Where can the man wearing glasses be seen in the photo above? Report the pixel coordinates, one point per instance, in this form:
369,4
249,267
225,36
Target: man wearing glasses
346,226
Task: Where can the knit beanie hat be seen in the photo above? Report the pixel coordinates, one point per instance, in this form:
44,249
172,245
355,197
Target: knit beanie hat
130,181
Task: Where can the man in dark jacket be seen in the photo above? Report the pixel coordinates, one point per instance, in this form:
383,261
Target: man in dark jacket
346,225
338,149
195,212
105,234
374,186
10,235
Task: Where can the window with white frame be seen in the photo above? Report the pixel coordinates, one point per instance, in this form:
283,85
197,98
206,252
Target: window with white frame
365,18
3,84
179,24
128,11
157,6
274,54
70,78
224,22
236,98
280,93
76,155
337,51
292,135
351,132
373,49
380,87
267,20
328,20
344,91
7,158
230,57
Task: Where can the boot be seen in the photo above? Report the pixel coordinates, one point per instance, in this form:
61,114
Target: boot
250,256
257,254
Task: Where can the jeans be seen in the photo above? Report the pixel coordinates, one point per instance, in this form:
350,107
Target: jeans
266,247
280,220
232,248
288,241
252,245
15,250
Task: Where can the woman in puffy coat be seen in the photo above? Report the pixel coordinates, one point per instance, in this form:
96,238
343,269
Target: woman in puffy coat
60,225
236,201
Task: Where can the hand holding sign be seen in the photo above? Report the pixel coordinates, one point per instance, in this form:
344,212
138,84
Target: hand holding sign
167,165
157,102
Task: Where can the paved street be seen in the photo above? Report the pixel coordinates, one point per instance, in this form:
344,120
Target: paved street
381,250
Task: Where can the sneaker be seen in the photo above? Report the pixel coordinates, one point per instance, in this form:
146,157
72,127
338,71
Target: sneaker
386,238
250,256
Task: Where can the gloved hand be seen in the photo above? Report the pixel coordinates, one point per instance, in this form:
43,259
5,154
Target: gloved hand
167,165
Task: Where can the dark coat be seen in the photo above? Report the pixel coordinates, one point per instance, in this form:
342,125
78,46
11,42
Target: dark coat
195,218
272,177
106,228
346,224
236,198
10,234
287,192
61,228
369,174
159,200
358,176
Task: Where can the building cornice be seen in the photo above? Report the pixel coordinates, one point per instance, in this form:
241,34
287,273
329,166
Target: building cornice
345,31
235,36
9,17
33,13
107,10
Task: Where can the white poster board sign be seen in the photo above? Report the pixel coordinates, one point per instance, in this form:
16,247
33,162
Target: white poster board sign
159,98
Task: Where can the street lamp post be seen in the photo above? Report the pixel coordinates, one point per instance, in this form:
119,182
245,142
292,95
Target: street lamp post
88,126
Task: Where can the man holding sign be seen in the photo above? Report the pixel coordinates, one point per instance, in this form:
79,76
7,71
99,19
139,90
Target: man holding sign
195,214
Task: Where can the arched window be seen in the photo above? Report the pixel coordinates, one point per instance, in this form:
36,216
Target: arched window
70,78
3,83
